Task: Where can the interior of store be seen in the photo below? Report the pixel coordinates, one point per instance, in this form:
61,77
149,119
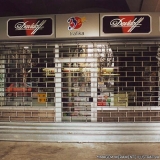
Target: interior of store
81,79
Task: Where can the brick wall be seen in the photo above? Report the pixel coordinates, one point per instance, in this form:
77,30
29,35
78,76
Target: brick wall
27,116
128,116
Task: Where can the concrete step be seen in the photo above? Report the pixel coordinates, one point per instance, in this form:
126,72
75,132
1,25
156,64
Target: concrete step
80,132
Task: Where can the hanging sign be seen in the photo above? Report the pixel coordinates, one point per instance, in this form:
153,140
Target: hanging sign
77,25
29,27
126,24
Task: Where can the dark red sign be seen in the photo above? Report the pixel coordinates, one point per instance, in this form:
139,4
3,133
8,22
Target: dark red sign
30,27
126,24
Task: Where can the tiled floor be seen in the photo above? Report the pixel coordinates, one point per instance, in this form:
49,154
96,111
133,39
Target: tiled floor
77,151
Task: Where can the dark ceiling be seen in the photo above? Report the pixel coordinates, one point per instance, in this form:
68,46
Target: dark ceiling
39,7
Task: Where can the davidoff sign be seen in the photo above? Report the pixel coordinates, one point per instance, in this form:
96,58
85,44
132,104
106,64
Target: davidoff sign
30,27
126,24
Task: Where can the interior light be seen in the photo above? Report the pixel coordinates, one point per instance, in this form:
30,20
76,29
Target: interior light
26,47
48,69
71,68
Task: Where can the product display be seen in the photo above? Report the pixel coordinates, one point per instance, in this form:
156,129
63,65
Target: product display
75,82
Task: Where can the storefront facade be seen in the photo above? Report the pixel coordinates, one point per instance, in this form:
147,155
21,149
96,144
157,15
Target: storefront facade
81,69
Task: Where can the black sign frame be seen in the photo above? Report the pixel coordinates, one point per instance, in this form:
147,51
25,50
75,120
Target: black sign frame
136,24
30,27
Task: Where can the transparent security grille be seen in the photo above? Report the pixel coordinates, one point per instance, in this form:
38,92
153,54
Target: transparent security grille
81,82
26,78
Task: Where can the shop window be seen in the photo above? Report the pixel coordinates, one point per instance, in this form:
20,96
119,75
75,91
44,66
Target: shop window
29,77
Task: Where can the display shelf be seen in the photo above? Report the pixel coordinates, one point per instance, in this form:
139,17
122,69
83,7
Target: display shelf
49,75
77,91
49,71
110,74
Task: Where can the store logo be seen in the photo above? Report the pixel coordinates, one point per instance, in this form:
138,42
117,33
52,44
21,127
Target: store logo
131,24
75,22
33,26
30,27
127,24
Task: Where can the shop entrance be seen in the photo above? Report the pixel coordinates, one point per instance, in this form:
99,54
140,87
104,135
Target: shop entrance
76,89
